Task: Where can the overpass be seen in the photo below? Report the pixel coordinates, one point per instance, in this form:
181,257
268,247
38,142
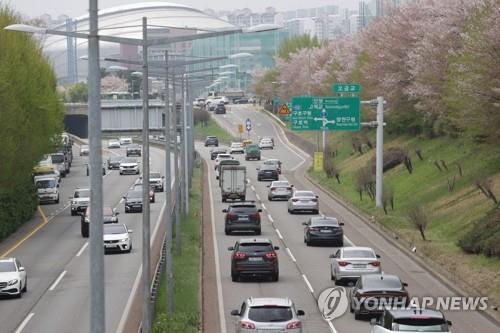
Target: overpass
118,116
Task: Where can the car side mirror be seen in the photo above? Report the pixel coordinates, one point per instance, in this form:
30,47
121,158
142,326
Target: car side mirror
300,313
332,256
130,231
341,223
257,168
231,248
405,284
57,184
291,185
259,210
21,269
235,313
448,322
224,210
373,321
276,247
304,223
117,213
268,185
378,256
317,197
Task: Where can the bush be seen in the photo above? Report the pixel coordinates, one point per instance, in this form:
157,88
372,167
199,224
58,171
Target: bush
393,157
484,236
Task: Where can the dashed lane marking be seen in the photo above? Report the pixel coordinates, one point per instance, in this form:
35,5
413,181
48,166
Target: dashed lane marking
82,249
257,196
24,323
279,234
56,282
291,255
270,219
308,283
263,206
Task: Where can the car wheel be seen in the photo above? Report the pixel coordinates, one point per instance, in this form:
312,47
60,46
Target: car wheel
269,198
357,315
25,288
308,243
121,173
235,277
153,201
258,232
332,277
227,232
243,198
351,310
224,199
129,249
19,295
73,213
57,201
291,211
341,243
316,211
275,277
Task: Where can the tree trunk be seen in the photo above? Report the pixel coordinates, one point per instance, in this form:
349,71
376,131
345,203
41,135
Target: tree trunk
422,233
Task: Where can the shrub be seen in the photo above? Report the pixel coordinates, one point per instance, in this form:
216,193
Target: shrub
419,219
484,236
393,157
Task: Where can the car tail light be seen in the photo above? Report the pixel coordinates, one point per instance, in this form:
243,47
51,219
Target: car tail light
240,255
271,255
231,216
343,263
247,325
289,188
375,263
295,200
273,188
256,216
314,200
293,324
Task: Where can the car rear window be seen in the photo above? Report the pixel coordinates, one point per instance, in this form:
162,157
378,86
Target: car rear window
57,158
243,209
280,184
154,175
304,194
331,222
129,160
255,247
116,158
358,254
420,324
381,284
270,313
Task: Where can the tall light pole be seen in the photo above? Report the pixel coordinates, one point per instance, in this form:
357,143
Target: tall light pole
185,142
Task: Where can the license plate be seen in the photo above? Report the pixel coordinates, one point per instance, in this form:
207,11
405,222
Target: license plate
255,259
243,219
326,231
358,266
137,206
110,245
271,331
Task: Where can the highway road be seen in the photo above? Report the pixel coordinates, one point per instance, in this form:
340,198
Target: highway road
57,263
305,271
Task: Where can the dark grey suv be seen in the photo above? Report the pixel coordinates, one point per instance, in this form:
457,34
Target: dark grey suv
242,216
254,257
211,141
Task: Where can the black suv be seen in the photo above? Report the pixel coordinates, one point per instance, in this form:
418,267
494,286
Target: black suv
254,257
133,150
109,215
242,216
211,141
267,171
133,201
220,108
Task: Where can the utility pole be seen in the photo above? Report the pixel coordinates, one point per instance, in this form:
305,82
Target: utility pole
168,198
183,145
96,249
176,174
185,149
146,234
379,177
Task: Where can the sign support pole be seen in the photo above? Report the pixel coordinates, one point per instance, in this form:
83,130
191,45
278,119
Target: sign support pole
379,173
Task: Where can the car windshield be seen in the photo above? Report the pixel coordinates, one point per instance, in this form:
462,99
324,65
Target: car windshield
380,284
135,194
85,147
154,175
325,221
304,194
270,313
129,160
255,247
348,253
236,145
7,266
280,184
420,324
57,158
116,158
47,183
110,229
223,156
133,146
82,194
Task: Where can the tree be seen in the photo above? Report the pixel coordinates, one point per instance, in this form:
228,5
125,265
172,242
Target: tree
294,44
78,92
419,219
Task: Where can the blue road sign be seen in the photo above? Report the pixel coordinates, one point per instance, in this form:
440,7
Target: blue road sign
248,124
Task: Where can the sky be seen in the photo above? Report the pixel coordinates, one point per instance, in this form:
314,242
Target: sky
74,8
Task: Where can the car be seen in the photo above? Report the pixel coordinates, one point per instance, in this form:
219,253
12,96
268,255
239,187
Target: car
47,189
242,100
236,148
371,289
133,200
254,257
103,168
80,201
13,278
113,144
323,229
211,141
125,140
267,138
242,216
222,157
109,215
84,150
266,144
133,149
216,151
411,320
129,165
222,164
199,102
303,201
114,162
279,189
267,172
60,162
156,181
138,187
349,263
211,105
252,152
161,137
220,109
268,314
275,162
117,238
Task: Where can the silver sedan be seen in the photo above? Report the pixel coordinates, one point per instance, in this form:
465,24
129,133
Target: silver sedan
303,201
349,263
280,189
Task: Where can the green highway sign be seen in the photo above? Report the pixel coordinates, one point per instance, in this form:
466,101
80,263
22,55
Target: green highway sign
346,88
312,113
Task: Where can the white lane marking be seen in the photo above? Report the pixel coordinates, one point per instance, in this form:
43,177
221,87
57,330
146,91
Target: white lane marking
253,188
349,241
279,234
332,328
82,249
288,147
257,196
217,264
56,282
270,218
308,283
263,206
121,201
291,255
248,181
128,306
24,323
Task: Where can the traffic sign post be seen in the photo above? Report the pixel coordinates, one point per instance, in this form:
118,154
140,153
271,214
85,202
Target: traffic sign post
318,161
240,129
284,110
248,125
310,113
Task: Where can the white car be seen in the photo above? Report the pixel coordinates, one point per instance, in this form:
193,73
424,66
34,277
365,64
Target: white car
84,150
221,157
13,279
156,181
303,201
411,320
129,166
80,201
125,140
266,144
117,237
113,144
237,147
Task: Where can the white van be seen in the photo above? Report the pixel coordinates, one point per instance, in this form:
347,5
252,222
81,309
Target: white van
47,189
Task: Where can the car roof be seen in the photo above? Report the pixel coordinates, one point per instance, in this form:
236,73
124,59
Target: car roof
405,313
211,137
255,240
262,301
